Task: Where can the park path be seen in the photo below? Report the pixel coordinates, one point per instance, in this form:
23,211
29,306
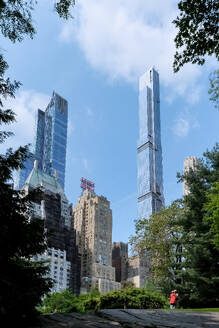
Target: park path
131,318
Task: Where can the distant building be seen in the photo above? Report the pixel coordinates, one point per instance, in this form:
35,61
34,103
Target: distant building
52,206
150,169
138,269
93,225
50,141
190,162
119,258
134,269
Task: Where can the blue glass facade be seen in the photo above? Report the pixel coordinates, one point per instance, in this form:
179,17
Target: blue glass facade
51,137
50,141
22,174
150,169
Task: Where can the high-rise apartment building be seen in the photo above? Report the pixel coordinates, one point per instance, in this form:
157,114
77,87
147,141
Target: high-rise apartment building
150,169
190,162
50,140
52,206
93,224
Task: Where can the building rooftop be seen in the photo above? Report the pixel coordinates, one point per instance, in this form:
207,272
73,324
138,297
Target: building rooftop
39,178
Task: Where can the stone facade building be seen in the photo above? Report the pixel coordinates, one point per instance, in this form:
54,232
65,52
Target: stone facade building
134,269
190,162
52,206
93,225
119,258
138,269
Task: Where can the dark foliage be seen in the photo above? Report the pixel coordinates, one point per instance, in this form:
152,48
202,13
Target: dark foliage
22,282
16,17
63,8
198,31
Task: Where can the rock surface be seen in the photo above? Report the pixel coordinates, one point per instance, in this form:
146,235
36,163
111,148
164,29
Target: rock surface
133,319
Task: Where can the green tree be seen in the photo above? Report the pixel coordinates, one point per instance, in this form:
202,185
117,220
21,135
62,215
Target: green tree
127,284
198,32
160,235
22,281
16,16
214,88
212,215
200,274
61,302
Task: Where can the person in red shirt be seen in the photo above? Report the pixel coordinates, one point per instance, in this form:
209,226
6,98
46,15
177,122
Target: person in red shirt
173,299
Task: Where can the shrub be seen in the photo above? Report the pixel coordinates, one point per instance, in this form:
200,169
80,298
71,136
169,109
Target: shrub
135,298
130,298
60,302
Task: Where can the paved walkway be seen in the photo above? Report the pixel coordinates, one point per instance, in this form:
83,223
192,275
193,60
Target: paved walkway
133,319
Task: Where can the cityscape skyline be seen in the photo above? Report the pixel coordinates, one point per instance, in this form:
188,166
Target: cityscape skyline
100,81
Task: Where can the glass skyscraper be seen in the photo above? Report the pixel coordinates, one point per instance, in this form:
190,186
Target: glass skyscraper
150,169
50,140
22,174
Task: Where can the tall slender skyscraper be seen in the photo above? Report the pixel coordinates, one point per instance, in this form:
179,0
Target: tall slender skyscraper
50,141
150,169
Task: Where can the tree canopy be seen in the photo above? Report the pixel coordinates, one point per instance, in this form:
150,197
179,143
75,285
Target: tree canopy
212,215
214,88
161,236
22,281
16,17
198,32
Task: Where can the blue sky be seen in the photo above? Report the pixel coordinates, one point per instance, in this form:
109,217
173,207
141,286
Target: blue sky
94,61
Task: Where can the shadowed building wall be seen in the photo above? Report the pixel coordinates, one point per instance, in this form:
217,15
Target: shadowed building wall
119,257
52,206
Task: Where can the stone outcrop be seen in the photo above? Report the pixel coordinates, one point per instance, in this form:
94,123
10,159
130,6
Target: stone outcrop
132,319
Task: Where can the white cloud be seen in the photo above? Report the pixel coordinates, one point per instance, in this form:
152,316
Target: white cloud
71,128
123,38
125,199
184,124
181,127
85,163
24,105
90,112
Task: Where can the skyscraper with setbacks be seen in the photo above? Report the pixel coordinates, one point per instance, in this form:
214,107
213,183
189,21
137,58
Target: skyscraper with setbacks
50,142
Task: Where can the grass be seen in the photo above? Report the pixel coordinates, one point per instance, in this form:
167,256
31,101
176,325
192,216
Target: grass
207,309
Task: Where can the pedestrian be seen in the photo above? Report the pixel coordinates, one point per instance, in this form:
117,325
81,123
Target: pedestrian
173,299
